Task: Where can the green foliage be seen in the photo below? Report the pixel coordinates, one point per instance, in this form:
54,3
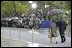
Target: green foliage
10,7
7,7
21,8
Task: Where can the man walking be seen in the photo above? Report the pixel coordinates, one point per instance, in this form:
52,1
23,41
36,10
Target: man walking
62,28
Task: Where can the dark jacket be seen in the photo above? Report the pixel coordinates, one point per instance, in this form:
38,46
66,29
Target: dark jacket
62,27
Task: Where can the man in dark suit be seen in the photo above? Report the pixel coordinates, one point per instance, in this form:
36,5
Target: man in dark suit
62,28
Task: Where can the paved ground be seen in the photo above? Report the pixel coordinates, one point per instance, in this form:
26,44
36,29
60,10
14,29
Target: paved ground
24,37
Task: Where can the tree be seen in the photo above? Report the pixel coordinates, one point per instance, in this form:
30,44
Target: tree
17,7
13,7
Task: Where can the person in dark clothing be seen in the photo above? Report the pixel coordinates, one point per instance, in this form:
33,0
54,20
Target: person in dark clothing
57,20
62,28
44,16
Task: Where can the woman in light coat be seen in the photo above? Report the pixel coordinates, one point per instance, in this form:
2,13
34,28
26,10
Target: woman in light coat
52,31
